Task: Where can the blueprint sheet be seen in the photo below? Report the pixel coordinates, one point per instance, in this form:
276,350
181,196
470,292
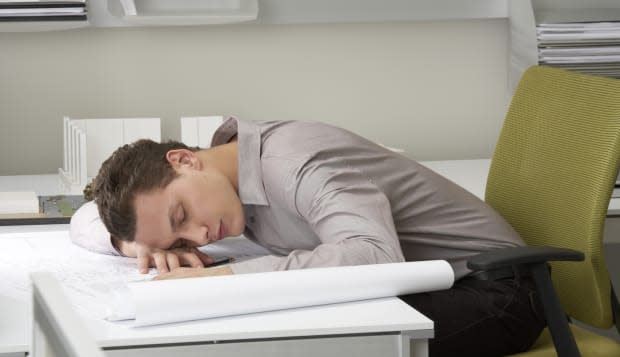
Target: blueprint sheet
93,282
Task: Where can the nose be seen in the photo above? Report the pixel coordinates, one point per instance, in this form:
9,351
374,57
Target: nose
197,234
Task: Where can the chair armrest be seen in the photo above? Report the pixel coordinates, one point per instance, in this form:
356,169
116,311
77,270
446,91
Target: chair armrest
534,259
499,258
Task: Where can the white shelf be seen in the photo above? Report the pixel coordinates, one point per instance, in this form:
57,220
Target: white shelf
181,12
35,26
129,13
348,11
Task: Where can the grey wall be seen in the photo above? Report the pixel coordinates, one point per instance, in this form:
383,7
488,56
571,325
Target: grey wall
437,89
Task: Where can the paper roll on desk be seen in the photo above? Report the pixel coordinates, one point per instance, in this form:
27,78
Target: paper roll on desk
166,301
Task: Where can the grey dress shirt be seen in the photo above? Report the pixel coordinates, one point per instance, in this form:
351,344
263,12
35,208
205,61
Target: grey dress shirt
316,195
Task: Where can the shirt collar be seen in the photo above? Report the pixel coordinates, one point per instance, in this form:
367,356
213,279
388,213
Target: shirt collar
251,189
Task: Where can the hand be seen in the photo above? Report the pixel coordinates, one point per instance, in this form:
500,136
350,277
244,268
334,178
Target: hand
181,273
126,248
167,260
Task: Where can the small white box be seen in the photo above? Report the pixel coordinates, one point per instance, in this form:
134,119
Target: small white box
19,202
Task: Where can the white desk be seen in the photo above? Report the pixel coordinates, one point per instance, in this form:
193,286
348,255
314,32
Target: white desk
382,327
369,328
472,175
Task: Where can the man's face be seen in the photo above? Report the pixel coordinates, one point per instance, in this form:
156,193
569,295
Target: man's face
197,208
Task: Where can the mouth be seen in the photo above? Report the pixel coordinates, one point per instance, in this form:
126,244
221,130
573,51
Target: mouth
222,232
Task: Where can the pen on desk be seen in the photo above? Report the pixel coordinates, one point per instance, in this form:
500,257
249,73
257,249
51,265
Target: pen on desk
220,262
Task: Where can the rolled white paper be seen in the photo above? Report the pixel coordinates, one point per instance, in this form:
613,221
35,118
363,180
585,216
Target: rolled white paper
166,301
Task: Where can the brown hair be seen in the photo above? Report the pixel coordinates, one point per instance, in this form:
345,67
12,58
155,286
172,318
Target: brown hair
133,168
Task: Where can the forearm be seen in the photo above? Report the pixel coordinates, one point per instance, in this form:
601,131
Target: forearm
350,252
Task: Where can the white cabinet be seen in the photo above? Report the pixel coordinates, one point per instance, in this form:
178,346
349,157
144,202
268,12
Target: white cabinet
113,13
122,13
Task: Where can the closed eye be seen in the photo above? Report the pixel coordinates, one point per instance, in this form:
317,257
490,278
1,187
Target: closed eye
180,243
183,217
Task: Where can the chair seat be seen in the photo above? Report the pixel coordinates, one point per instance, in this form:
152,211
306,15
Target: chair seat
589,343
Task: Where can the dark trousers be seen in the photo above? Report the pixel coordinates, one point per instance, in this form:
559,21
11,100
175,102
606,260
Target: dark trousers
482,318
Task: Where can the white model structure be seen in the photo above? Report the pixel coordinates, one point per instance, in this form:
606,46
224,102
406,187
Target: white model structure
88,142
198,131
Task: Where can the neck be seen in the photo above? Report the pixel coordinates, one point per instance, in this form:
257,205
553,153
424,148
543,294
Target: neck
222,158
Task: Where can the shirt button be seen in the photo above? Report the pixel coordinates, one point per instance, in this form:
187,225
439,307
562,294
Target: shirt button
252,220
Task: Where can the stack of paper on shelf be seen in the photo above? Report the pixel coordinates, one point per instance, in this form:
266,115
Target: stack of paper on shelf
587,47
42,10
18,203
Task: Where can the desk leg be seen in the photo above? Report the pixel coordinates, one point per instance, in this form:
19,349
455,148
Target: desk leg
419,348
403,341
411,347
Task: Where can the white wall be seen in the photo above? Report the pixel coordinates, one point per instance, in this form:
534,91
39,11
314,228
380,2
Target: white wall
436,89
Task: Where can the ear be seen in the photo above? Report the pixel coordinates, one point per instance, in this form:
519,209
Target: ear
182,158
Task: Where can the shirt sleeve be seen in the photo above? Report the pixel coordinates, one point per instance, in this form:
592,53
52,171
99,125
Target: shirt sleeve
87,230
351,216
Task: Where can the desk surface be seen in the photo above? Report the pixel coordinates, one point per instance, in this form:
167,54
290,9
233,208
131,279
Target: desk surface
472,175
389,315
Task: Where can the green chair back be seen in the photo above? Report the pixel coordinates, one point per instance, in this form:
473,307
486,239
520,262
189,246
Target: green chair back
552,175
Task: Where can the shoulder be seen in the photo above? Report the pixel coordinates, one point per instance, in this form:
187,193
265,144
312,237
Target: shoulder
294,139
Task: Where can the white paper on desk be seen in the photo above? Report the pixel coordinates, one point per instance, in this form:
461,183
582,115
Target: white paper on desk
166,301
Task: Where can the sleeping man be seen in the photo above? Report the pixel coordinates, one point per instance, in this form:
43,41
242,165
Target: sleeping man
315,196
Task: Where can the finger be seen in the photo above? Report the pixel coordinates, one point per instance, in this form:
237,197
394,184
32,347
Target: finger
173,260
143,263
160,262
191,259
205,258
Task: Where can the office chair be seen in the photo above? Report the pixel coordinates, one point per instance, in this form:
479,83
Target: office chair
57,328
551,178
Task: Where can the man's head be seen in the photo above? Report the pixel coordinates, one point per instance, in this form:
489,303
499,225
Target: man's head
131,169
164,194
168,195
